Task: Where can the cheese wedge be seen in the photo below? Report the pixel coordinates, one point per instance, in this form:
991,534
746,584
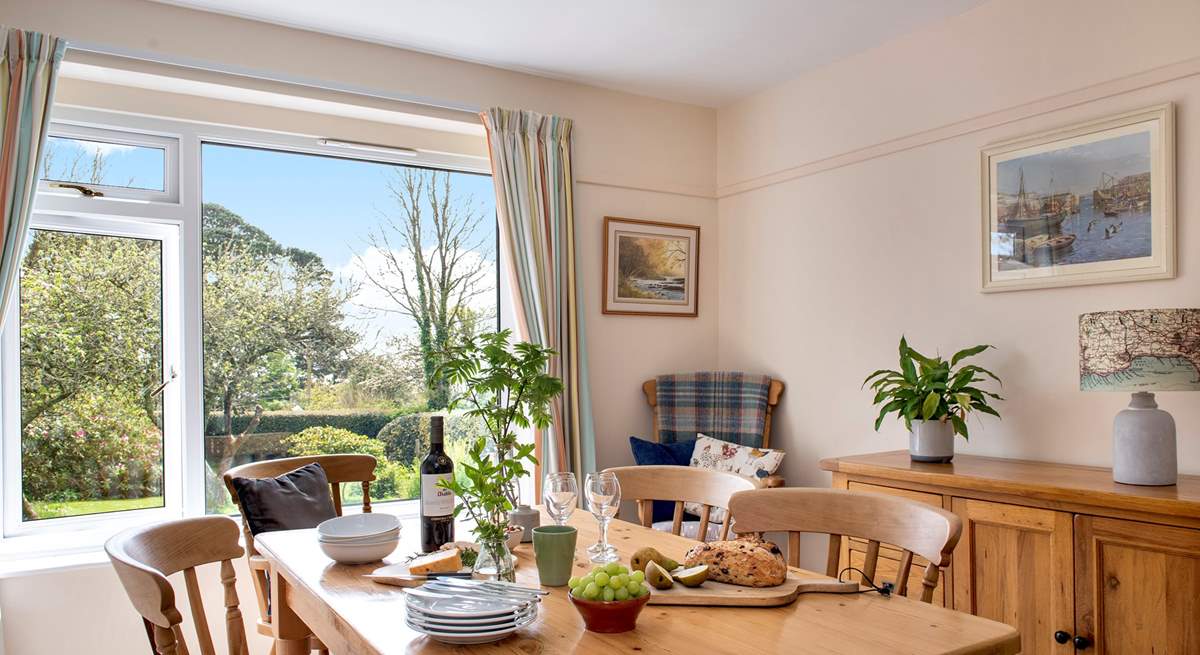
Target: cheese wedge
443,561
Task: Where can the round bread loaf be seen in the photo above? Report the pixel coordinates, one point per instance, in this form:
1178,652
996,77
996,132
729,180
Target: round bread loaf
746,562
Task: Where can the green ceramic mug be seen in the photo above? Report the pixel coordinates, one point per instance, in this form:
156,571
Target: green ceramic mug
554,549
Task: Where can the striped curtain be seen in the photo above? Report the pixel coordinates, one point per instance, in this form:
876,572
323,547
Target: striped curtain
531,170
27,76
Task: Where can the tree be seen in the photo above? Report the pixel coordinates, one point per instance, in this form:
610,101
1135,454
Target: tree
439,268
271,315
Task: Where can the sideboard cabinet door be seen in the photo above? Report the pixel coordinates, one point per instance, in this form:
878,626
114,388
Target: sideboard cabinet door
1014,564
1137,587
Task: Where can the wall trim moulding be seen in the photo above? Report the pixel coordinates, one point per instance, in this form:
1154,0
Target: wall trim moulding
1057,102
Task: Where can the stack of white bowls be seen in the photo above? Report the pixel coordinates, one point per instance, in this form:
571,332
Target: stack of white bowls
359,538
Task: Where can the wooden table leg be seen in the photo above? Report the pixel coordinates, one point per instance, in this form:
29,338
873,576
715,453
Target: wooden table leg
291,634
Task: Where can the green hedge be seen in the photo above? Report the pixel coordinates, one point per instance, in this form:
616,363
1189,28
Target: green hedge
368,423
406,437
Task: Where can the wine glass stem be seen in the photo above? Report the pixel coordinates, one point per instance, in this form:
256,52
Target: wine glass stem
604,533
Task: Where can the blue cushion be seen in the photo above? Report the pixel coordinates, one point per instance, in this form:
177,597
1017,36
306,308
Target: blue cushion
678,453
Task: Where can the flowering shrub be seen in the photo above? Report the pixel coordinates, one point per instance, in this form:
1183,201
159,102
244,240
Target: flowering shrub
91,447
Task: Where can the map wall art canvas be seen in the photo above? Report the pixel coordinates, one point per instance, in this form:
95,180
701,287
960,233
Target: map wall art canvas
1081,205
650,267
1140,350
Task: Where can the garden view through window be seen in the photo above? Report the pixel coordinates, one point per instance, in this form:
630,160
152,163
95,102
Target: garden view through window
329,285
93,162
91,374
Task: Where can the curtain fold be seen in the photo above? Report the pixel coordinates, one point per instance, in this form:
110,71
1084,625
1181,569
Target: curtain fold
531,171
28,72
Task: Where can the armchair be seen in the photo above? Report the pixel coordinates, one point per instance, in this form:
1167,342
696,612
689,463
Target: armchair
774,392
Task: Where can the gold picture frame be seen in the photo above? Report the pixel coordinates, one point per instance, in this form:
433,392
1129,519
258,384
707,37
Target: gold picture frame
1091,203
651,268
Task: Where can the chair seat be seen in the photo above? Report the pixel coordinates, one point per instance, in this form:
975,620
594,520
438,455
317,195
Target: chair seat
690,529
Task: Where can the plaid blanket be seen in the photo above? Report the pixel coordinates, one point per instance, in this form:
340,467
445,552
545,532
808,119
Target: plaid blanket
726,405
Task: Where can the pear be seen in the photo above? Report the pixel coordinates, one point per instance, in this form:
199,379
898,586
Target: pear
692,577
644,556
657,576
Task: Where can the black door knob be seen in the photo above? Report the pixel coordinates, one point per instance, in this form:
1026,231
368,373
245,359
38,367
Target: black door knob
1062,636
1082,642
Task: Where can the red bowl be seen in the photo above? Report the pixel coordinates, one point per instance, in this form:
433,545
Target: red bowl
611,616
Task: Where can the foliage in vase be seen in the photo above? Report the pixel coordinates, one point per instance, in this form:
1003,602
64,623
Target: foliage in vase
508,387
932,389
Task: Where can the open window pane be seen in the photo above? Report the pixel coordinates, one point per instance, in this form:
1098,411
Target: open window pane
100,163
317,337
91,374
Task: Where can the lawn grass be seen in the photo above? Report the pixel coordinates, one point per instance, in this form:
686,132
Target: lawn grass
53,510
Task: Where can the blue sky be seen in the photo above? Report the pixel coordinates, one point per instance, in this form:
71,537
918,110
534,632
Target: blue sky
1077,169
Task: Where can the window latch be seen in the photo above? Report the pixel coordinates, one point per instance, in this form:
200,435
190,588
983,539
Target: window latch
87,192
159,388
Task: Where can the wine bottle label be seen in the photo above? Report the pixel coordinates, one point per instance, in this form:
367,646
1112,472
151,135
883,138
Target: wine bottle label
435,500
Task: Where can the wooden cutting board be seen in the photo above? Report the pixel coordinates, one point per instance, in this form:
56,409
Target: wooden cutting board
722,594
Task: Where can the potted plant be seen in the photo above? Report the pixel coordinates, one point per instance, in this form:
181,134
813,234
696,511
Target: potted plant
506,385
933,398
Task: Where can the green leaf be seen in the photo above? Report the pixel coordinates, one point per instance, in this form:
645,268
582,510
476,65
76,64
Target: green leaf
960,426
968,352
906,363
929,407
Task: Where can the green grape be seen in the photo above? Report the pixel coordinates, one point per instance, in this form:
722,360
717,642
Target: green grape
577,591
637,592
602,579
633,588
573,582
621,594
591,591
599,568
622,579
637,576
613,568
608,594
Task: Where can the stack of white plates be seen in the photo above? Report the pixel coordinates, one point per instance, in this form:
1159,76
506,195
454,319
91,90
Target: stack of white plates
359,538
470,611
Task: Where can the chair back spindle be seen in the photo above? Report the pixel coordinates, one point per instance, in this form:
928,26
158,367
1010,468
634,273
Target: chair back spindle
914,528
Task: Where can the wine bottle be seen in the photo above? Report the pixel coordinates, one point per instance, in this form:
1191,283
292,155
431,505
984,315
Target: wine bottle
437,503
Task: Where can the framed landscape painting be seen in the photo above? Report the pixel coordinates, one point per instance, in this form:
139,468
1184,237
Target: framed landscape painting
650,268
1086,204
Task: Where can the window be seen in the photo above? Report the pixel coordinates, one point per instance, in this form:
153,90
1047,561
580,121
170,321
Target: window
96,361
111,163
234,295
318,334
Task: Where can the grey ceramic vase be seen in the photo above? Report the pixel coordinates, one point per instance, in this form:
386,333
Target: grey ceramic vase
931,441
526,517
1144,443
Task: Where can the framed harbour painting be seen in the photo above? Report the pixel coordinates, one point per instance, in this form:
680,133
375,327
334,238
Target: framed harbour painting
650,268
1086,204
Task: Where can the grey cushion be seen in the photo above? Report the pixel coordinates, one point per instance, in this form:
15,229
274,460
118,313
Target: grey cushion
297,499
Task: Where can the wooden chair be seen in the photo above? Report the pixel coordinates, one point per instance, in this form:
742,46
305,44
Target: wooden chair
774,391
646,484
338,469
914,528
145,557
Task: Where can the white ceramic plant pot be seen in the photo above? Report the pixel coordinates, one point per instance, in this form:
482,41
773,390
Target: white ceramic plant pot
931,441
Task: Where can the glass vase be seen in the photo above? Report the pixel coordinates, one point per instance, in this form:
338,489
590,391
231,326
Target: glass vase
495,562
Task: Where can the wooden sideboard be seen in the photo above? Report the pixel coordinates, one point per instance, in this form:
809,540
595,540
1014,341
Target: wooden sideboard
1060,552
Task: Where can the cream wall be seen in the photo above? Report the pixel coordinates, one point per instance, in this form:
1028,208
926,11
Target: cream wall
634,157
849,214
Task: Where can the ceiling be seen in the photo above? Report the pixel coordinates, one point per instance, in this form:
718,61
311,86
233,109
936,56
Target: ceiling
705,52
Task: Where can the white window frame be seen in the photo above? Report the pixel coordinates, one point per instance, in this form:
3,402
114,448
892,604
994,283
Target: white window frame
177,211
85,132
13,524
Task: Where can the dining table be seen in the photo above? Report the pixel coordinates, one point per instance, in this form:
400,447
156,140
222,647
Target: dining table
354,615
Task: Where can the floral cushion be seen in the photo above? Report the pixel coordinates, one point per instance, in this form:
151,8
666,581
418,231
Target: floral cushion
746,461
